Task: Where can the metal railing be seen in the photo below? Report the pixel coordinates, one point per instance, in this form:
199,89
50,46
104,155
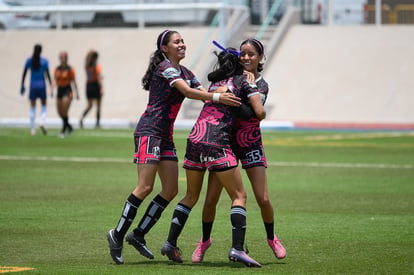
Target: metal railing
400,14
140,8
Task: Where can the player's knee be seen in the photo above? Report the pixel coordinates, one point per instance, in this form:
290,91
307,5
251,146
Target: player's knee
210,203
190,199
169,194
264,202
143,191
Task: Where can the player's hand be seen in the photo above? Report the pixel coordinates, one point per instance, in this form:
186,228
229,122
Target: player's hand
250,77
221,89
22,90
229,99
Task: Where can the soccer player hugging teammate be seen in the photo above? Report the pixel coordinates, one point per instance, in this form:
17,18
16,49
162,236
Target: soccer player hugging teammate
208,148
246,143
168,84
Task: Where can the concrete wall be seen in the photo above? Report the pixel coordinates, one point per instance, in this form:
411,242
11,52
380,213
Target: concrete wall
318,75
339,74
123,54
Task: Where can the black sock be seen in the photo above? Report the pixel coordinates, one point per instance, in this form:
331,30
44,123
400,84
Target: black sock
207,226
98,118
70,128
128,214
85,113
179,218
151,216
238,221
65,124
270,232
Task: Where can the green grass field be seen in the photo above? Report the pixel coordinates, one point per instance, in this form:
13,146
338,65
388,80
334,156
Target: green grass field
344,204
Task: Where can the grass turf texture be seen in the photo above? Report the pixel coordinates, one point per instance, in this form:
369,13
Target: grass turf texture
344,204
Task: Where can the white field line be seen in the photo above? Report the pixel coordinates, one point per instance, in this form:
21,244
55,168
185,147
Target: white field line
68,159
272,163
359,136
341,165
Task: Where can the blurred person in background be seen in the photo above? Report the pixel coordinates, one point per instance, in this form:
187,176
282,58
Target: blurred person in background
94,87
39,68
66,85
246,143
168,83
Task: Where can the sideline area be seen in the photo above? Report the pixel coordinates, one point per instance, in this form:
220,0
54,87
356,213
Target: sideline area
345,77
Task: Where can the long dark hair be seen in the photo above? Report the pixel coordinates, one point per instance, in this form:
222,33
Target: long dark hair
228,65
36,56
156,58
259,48
91,59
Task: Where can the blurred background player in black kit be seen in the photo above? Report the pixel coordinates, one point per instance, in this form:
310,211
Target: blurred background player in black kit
94,87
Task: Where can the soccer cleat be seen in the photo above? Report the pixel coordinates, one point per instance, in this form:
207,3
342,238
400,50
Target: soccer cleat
277,247
139,244
43,129
172,252
70,131
241,256
201,249
115,247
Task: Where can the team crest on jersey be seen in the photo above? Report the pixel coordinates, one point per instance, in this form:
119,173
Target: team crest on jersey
156,151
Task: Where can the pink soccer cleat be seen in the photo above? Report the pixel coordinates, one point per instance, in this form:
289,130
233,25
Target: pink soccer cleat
199,252
277,247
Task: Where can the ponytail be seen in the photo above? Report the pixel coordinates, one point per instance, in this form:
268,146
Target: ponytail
227,66
156,58
36,56
91,58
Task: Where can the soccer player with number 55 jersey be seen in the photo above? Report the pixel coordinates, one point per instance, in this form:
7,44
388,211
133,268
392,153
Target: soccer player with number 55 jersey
246,143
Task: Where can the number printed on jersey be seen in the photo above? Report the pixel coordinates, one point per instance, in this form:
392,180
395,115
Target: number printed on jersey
253,156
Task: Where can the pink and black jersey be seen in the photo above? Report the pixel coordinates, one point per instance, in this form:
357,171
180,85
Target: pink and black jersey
215,122
164,101
246,133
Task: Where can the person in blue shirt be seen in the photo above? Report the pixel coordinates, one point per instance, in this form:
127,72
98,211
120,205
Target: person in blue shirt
39,68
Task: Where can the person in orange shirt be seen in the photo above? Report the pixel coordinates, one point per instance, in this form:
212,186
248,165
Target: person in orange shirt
66,84
94,89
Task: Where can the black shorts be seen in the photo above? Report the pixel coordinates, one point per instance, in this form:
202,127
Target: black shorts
150,149
93,90
64,91
199,156
250,156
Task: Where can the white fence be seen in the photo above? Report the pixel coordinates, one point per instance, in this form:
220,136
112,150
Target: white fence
139,13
